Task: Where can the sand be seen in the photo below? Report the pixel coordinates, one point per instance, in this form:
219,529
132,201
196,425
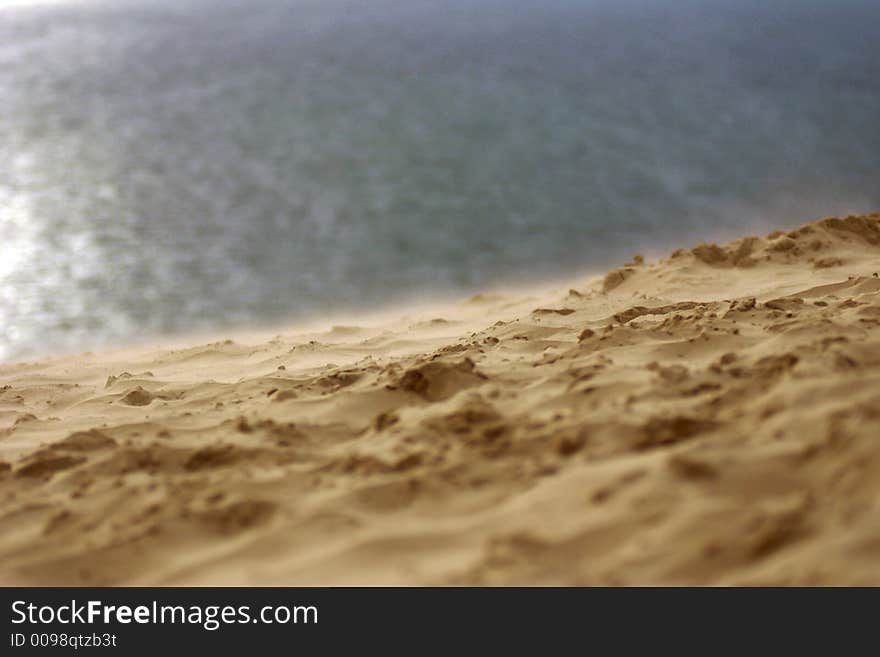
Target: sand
709,418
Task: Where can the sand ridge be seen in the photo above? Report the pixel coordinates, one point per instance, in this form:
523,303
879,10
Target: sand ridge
710,418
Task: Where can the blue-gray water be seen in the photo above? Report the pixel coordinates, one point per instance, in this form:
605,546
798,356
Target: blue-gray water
168,166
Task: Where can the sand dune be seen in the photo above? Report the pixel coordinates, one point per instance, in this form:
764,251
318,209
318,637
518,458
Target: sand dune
712,418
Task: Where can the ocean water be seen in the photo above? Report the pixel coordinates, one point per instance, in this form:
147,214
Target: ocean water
174,166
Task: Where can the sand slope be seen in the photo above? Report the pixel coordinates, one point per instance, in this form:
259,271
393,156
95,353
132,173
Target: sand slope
713,418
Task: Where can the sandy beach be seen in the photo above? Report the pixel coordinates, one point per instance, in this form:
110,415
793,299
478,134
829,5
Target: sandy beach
709,418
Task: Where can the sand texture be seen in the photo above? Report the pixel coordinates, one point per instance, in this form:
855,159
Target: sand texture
710,418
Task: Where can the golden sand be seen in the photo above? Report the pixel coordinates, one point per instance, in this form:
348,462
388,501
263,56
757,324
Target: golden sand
712,418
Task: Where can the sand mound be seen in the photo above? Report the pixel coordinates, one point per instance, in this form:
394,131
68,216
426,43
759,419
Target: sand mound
436,381
711,418
818,243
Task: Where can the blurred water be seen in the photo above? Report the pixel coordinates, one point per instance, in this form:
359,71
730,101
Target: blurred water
173,166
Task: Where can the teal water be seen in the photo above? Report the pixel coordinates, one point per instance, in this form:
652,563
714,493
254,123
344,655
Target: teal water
174,166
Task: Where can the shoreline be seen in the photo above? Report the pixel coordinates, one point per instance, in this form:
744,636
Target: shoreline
707,418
